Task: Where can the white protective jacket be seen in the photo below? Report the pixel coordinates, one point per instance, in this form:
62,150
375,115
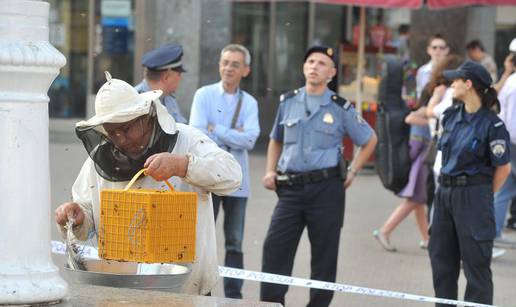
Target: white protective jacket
210,169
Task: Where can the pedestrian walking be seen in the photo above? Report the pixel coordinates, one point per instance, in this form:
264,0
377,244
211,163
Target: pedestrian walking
414,194
164,71
475,164
305,168
437,49
229,116
507,98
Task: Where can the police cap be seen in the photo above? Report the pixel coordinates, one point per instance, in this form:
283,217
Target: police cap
326,50
164,58
470,71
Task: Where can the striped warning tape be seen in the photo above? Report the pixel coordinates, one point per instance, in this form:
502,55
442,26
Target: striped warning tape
91,252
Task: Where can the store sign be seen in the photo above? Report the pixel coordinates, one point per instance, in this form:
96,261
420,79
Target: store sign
115,25
115,40
115,8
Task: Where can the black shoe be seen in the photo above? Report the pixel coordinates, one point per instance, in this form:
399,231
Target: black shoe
511,224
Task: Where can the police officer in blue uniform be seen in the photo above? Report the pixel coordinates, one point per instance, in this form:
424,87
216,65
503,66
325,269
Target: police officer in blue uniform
163,71
306,168
475,153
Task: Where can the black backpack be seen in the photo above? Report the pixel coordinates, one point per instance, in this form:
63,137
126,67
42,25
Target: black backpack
392,152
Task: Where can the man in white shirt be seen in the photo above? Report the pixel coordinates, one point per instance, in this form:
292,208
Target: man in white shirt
507,98
229,116
437,49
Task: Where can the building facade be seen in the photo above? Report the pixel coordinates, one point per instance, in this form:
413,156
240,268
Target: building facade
99,35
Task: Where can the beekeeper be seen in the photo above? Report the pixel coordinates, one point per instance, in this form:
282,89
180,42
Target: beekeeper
131,131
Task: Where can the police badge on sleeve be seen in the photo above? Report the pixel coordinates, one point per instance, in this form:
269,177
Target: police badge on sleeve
497,148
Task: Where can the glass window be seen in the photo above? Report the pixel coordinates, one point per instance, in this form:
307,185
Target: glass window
69,34
250,28
290,45
114,41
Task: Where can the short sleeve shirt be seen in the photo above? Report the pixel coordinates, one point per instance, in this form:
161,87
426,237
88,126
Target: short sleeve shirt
474,143
312,135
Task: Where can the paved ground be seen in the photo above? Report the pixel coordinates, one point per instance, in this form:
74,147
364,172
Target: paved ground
361,261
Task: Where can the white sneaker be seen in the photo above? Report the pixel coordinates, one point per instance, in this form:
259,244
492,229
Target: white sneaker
504,242
497,252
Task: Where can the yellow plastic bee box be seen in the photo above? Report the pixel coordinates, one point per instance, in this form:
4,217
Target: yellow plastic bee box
147,225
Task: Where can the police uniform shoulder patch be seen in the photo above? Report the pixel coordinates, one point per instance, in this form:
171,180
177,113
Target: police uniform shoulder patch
497,147
288,95
340,101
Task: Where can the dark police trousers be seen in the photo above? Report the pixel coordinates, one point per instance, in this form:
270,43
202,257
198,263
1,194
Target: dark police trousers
318,206
463,227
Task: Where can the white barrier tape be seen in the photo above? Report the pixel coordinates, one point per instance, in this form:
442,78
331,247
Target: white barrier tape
86,251
92,253
324,285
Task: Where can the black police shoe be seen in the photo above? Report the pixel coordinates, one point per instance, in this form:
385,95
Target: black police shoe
511,224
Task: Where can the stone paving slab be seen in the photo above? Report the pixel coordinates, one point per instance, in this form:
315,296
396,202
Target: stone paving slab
87,295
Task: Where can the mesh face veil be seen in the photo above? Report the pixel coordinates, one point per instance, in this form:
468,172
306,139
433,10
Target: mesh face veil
111,162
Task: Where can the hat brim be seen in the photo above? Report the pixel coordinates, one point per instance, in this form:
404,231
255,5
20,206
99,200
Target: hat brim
139,108
453,75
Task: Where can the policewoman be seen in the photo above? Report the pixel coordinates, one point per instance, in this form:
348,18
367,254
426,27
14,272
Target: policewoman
304,167
475,164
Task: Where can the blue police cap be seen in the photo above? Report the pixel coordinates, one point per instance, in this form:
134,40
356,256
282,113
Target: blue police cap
164,58
470,71
326,50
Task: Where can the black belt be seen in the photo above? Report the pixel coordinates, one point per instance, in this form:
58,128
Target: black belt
463,180
291,179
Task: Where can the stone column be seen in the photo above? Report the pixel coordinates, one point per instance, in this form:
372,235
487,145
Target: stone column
481,24
28,65
179,21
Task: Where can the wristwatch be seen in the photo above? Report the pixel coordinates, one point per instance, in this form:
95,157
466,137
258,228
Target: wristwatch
352,170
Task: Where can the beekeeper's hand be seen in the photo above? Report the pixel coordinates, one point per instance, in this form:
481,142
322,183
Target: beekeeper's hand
165,165
66,210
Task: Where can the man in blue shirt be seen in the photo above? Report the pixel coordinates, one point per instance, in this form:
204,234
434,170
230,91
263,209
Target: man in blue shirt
229,116
163,71
304,167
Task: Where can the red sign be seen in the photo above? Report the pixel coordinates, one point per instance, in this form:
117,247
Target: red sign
441,4
413,4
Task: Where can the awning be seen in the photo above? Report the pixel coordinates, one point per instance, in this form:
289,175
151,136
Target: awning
411,4
442,4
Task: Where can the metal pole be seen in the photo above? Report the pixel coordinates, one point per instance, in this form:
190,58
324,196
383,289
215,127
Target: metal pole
349,23
311,24
140,35
272,48
360,62
90,109
28,65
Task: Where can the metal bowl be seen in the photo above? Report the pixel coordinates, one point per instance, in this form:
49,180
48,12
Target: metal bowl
160,277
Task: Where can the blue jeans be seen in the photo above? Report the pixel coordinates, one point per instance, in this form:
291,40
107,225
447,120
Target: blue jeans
504,196
234,219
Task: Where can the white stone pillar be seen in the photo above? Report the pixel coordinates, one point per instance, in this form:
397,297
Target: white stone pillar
28,65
